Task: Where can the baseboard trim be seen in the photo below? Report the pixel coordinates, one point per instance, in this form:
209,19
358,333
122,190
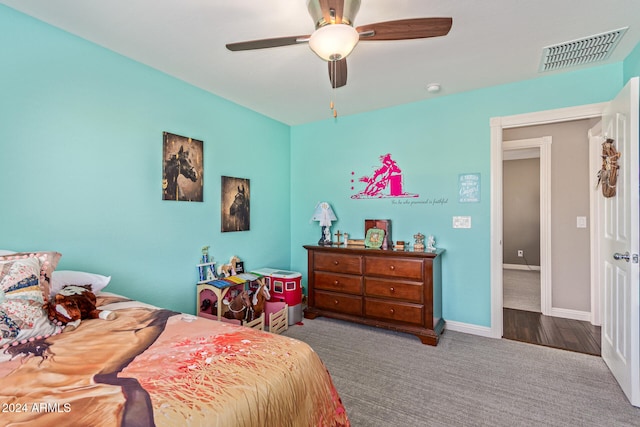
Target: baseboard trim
566,313
520,267
468,328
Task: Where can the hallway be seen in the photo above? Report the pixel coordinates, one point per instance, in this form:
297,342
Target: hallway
566,334
523,320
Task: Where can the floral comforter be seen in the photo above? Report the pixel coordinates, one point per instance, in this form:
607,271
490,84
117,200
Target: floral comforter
156,367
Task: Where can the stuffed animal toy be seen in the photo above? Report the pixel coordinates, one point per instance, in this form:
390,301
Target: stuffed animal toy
226,270
74,303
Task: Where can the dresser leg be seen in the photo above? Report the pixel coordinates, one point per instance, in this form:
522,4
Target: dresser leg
428,339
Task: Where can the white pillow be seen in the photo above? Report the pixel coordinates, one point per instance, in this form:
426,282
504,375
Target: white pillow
61,278
5,252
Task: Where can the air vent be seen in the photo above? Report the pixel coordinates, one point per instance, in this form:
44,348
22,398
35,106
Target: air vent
582,51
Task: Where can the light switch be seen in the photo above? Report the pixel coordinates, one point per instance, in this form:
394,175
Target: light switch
581,222
461,222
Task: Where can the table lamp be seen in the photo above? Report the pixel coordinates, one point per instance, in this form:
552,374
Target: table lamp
324,214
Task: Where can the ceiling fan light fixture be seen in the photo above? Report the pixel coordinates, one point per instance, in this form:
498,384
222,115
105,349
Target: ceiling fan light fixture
333,42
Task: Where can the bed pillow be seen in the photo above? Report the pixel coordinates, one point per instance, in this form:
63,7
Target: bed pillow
48,263
22,316
6,252
62,278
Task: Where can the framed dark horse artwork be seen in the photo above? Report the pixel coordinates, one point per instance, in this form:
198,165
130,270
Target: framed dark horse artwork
235,204
182,168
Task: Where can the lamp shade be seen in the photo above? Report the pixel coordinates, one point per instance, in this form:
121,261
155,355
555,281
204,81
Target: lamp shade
324,214
334,41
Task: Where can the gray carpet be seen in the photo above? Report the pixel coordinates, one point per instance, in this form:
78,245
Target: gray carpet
391,379
521,290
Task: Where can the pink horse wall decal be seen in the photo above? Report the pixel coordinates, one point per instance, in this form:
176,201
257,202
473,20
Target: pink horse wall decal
386,182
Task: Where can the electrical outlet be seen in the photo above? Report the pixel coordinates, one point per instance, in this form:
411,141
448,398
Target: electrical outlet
520,253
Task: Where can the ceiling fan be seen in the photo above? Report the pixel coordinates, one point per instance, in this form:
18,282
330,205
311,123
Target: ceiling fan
335,37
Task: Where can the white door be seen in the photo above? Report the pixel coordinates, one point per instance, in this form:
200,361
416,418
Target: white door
619,248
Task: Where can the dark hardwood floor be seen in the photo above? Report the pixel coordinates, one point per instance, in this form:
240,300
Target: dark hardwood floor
566,334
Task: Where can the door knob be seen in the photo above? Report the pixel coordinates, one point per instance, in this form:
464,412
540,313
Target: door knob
618,256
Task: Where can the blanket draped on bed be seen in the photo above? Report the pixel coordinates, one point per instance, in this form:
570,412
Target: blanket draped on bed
156,367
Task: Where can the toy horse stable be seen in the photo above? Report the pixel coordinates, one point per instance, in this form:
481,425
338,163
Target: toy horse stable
246,298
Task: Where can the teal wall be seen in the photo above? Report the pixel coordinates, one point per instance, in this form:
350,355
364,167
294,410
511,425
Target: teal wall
81,166
433,142
81,150
632,64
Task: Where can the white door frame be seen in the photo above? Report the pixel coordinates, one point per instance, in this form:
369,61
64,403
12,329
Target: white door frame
497,125
595,163
543,145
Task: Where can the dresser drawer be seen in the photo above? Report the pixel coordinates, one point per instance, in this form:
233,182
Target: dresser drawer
347,304
394,267
348,264
338,282
397,311
393,289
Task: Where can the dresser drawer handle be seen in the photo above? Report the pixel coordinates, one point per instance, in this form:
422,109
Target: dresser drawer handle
392,289
392,267
336,282
335,301
392,311
335,263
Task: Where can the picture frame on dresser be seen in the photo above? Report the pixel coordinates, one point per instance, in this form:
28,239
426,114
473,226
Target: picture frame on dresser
382,224
374,238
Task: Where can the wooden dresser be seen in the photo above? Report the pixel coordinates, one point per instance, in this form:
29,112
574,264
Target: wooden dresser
398,290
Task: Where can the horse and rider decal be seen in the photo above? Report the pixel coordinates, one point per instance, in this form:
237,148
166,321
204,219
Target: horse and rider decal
385,182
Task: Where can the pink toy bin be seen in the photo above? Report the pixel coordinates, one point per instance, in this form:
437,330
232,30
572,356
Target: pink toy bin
284,286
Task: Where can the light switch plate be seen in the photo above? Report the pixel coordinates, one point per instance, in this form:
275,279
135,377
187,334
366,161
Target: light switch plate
581,222
461,222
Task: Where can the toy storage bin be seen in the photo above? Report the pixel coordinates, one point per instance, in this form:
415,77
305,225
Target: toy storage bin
285,286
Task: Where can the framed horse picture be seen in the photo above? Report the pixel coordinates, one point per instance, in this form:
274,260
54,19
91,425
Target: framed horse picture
235,209
182,168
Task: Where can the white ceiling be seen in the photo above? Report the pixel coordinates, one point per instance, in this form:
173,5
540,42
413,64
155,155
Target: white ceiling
491,42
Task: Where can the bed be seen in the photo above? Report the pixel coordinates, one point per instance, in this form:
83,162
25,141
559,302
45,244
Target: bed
151,366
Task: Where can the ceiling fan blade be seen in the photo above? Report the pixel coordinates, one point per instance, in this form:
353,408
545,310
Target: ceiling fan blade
337,6
417,28
338,73
267,43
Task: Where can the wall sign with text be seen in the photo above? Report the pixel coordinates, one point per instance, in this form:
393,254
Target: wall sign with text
469,188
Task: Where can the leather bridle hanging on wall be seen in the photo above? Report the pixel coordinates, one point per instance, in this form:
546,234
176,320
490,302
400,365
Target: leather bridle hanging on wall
608,175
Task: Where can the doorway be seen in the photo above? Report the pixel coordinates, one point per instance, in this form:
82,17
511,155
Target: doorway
499,127
527,224
534,257
527,219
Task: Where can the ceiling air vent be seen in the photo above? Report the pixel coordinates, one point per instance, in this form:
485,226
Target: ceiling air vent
582,51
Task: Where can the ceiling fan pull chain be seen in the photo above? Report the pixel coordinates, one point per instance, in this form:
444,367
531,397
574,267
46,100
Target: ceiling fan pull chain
334,64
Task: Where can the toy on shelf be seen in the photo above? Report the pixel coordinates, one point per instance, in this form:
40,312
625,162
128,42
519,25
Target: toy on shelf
206,268
431,244
228,270
419,244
